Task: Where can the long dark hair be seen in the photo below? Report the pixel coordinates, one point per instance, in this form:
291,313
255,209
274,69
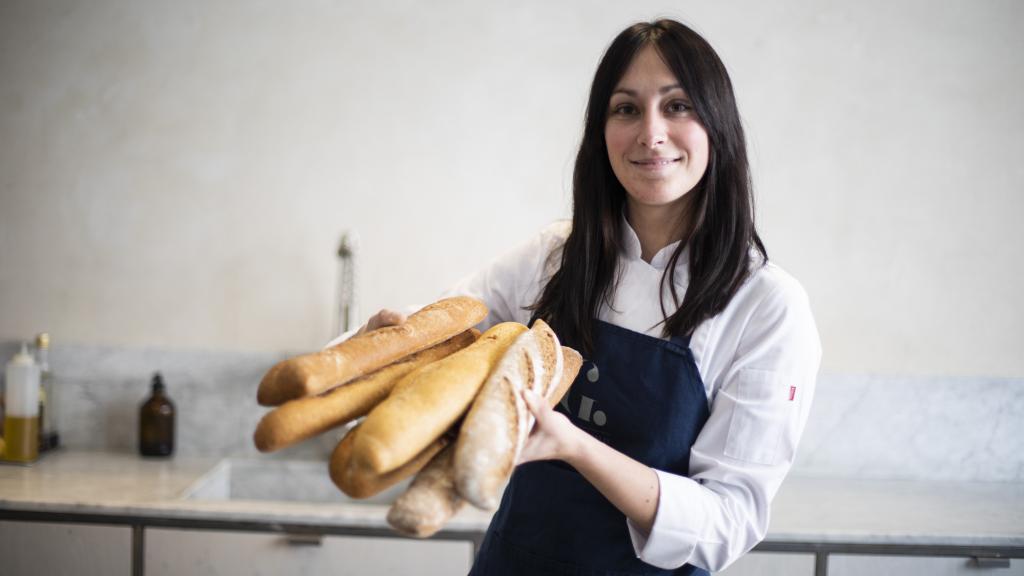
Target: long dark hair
720,228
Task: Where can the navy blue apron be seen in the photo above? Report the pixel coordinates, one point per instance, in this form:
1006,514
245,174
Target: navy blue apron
642,396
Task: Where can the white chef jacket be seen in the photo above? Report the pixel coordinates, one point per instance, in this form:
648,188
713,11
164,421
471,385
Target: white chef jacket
758,360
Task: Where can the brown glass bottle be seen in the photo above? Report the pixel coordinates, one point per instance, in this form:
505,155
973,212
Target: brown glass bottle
156,422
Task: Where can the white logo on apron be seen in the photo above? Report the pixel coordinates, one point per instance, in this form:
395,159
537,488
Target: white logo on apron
587,412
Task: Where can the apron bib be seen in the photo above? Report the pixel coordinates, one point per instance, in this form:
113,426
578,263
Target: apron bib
642,396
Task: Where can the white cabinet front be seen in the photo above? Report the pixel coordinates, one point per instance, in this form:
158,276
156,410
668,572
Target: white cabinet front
856,565
771,564
34,548
177,552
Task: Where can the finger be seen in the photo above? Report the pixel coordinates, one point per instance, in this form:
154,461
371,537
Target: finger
533,402
393,317
386,317
379,320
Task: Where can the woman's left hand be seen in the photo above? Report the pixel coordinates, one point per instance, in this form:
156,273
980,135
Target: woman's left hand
554,437
629,485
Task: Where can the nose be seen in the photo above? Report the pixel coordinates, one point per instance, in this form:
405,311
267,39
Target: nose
652,131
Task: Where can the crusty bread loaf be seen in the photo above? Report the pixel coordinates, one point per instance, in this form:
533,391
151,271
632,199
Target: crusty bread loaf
573,363
358,482
429,401
429,501
302,418
498,422
433,498
552,362
551,357
315,373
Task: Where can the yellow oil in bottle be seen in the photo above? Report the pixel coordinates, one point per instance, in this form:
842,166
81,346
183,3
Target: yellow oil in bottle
21,438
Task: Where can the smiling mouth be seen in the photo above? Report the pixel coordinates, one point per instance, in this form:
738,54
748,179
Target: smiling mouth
654,162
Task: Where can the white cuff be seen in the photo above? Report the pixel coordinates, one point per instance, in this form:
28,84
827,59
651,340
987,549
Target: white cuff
677,524
344,336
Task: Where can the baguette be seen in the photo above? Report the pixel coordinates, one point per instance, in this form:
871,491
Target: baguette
429,501
357,482
571,367
552,357
498,422
433,498
303,418
552,361
429,401
311,374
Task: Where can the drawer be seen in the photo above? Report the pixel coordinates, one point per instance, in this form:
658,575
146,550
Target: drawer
771,564
33,548
856,565
178,552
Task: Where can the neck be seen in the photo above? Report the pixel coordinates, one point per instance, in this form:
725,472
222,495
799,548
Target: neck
656,226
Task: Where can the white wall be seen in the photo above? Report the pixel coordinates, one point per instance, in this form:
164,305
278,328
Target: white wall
179,173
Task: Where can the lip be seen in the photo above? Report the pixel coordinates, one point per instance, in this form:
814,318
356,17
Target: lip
654,163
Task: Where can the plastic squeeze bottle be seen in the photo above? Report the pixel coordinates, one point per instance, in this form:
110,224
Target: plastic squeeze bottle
21,397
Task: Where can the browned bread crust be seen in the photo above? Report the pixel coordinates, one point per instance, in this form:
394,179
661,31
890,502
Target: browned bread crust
551,358
499,421
315,373
488,441
429,501
433,497
358,482
571,367
303,418
427,402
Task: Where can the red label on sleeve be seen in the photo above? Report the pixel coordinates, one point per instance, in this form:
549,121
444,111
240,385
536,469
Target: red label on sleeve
792,393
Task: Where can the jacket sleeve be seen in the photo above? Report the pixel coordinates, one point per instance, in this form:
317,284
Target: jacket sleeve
748,444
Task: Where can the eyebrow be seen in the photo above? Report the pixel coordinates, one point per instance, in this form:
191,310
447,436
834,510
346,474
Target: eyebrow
633,93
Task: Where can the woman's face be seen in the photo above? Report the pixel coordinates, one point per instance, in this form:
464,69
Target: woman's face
657,147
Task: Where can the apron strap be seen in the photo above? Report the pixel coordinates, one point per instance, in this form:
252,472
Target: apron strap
682,341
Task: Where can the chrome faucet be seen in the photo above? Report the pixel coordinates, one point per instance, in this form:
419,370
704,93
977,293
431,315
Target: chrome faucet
348,252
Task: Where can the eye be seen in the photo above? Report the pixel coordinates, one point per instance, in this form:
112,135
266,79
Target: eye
679,107
624,109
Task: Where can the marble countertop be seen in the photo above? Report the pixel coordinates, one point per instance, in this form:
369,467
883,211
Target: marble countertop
841,510
807,510
122,484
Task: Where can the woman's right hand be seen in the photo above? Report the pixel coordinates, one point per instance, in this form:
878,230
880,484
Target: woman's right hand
385,317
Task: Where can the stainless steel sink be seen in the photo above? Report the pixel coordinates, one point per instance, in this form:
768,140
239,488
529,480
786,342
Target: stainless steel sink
277,480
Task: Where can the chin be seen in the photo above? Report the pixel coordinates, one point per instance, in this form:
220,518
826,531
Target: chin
655,197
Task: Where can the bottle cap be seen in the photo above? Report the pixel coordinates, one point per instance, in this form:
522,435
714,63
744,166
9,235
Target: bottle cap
158,382
23,358
43,340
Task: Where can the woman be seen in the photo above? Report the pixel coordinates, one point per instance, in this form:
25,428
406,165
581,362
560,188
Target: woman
700,355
